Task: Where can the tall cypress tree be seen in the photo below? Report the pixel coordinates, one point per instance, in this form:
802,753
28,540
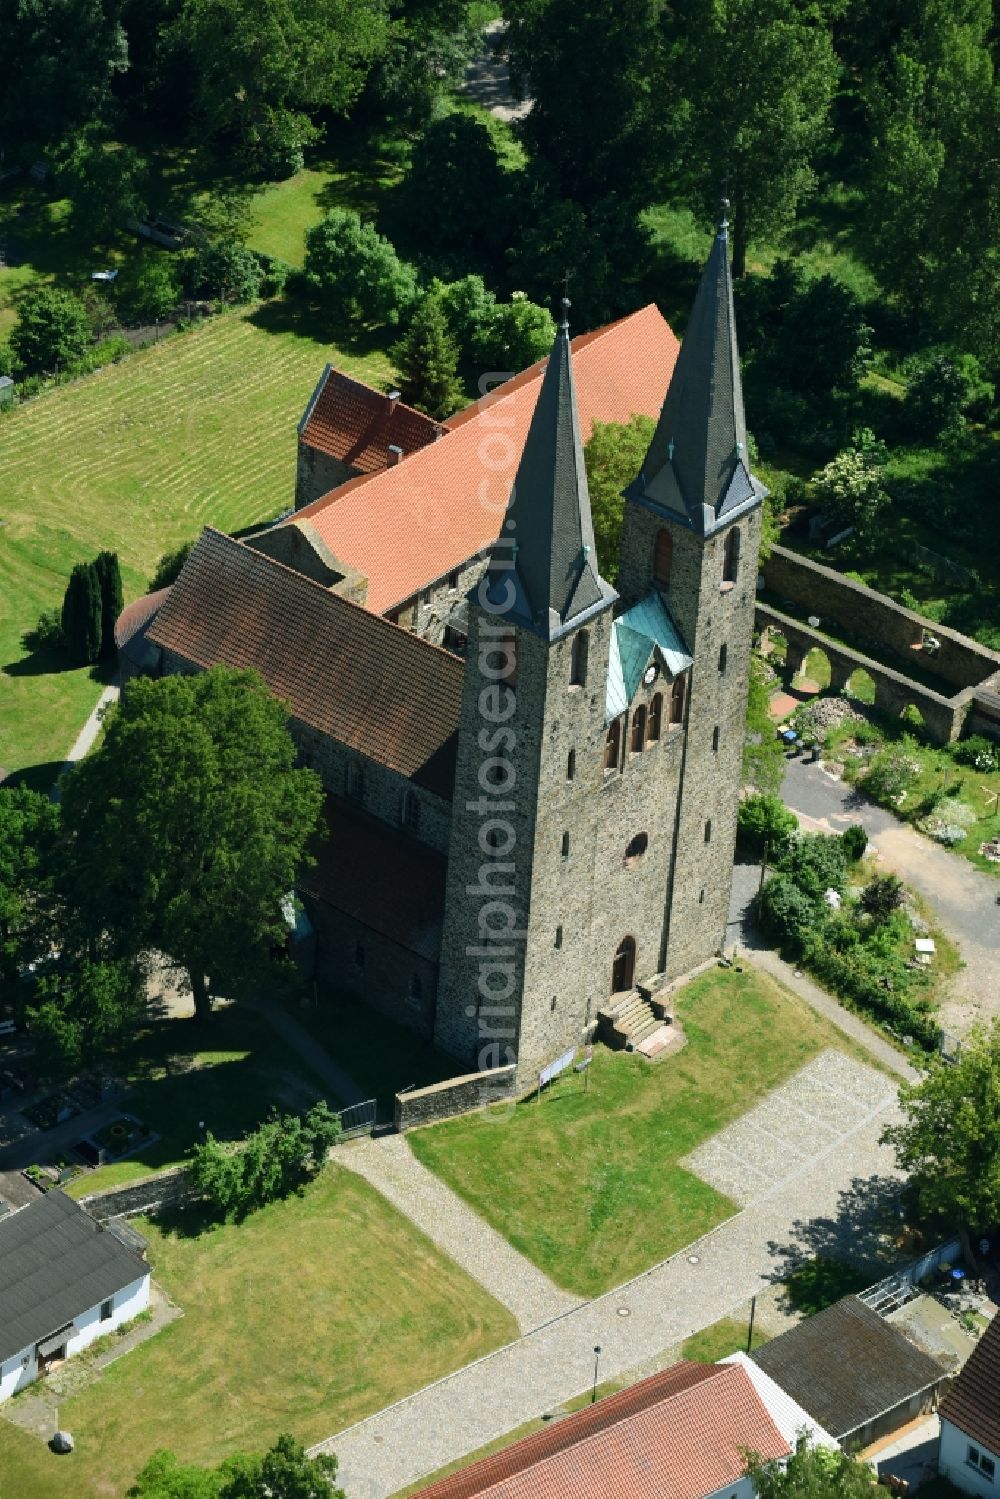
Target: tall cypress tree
428,359
109,576
82,613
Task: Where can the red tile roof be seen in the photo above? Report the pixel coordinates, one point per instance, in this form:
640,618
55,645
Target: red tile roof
973,1401
135,616
382,877
364,681
407,526
353,422
679,1435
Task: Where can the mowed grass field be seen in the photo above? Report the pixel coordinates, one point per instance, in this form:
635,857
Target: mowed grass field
310,1315
588,1183
197,430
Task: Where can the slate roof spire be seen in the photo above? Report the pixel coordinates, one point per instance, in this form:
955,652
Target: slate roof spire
547,544
697,467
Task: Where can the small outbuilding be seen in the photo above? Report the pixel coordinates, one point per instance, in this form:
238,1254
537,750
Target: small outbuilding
854,1372
65,1279
969,1456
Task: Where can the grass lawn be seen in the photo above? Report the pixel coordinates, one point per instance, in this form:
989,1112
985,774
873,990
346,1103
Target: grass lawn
197,430
312,1314
728,1335
228,1075
382,1057
588,1185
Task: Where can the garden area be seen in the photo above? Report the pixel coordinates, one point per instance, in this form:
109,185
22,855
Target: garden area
587,1182
364,1311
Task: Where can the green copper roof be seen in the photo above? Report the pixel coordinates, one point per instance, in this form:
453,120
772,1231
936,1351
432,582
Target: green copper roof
697,467
643,632
548,533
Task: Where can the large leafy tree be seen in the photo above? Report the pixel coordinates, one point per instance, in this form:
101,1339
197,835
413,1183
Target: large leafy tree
29,830
262,68
356,271
949,1138
283,1472
52,329
59,59
454,198
614,454
427,358
933,189
759,77
187,827
604,97
814,1473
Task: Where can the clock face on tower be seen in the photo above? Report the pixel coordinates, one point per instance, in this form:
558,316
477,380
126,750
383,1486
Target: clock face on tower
649,676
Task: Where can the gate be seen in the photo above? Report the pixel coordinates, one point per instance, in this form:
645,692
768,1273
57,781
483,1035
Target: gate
358,1119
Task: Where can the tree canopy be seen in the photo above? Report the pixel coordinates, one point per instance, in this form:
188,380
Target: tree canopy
949,1138
356,272
187,827
814,1473
59,61
283,1472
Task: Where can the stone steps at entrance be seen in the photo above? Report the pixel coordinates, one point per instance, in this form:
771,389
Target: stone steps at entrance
629,1021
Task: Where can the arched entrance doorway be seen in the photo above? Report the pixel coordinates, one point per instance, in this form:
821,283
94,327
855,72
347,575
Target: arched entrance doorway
623,968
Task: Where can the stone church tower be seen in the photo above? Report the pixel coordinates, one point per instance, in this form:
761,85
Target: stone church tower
600,744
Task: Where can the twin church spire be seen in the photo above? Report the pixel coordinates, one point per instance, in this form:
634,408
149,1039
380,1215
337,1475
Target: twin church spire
544,566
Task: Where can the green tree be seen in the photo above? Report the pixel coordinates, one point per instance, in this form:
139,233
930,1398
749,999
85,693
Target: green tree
605,246
933,184
148,287
261,69
281,1154
949,1139
514,334
356,272
228,270
940,392
759,78
786,913
454,196
169,567
109,577
165,1477
79,1009
186,828
817,863
855,841
29,830
427,359
765,824
614,453
429,47
814,1473
82,614
59,60
600,126
850,487
284,1472
52,330
881,896
106,184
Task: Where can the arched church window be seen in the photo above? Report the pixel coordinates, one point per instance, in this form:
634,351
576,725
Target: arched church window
623,967
613,745
655,719
411,809
579,651
638,729
723,656
731,556
677,701
356,781
663,556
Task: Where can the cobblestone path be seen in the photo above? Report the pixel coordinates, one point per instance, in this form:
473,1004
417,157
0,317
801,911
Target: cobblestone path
392,1168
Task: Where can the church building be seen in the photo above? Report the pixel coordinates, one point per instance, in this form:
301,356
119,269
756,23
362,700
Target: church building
532,775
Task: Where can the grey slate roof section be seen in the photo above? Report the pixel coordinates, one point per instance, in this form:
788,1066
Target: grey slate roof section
846,1365
697,469
55,1264
547,545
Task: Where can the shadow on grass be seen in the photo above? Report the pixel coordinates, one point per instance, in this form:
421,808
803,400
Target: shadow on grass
308,320
41,777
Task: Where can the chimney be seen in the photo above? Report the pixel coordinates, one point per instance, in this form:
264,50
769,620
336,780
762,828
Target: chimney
395,454
392,396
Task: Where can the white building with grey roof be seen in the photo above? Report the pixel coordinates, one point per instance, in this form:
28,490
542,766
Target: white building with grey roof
64,1281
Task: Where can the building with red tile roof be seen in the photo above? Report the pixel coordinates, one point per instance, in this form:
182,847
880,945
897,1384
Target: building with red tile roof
681,1434
349,429
970,1419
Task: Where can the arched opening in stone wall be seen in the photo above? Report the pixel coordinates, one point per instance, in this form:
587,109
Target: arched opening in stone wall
815,673
914,720
623,967
861,686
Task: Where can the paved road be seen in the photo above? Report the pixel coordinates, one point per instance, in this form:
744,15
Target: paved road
633,1324
963,897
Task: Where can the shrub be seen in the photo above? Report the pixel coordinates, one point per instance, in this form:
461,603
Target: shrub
977,751
52,329
229,271
850,486
881,897
513,335
149,287
785,912
765,825
817,863
168,569
271,1162
891,774
48,632
939,394
855,841
356,272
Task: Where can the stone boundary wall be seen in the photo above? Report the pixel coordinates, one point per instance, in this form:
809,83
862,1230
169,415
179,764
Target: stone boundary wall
145,1196
456,1095
943,717
875,620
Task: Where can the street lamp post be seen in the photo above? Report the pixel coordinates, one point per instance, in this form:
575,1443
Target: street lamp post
597,1360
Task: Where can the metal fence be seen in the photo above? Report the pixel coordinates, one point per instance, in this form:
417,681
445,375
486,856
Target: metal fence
359,1118
904,1284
